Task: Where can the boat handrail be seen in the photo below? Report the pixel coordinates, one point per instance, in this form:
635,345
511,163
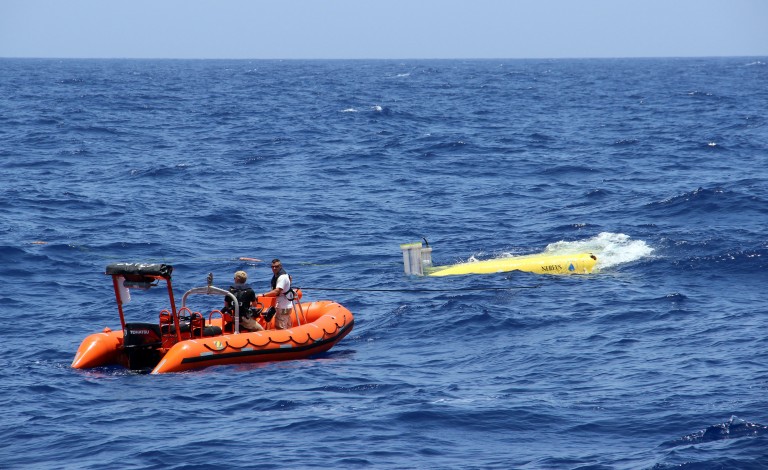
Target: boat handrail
212,290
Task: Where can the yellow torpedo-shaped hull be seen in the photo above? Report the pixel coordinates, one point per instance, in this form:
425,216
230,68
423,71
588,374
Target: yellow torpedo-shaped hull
542,263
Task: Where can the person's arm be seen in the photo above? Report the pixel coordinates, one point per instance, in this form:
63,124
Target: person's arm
273,293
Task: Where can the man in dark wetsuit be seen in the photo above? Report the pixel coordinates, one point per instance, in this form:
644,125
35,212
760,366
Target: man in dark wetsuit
245,297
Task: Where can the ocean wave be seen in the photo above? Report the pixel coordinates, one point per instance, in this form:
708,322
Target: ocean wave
734,428
709,201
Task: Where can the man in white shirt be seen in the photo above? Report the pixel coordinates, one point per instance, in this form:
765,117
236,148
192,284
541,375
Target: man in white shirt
281,285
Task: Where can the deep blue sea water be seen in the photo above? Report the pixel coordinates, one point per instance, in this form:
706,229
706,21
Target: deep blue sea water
659,166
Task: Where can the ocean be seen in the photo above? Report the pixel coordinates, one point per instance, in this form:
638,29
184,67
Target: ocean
659,360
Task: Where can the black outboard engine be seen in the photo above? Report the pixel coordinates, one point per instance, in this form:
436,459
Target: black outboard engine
141,342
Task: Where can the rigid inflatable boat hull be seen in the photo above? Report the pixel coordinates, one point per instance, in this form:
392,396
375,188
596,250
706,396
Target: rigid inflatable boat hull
260,346
326,324
100,349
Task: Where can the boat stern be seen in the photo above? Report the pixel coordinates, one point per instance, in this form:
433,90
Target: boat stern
99,349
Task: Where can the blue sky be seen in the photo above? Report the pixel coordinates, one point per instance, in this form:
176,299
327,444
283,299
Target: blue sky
376,29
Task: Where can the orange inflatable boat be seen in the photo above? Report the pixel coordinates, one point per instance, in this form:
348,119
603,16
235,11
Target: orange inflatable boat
184,339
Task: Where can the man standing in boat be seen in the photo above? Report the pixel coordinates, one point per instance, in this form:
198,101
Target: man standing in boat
281,287
245,296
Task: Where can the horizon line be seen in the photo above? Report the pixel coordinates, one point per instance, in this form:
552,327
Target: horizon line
385,58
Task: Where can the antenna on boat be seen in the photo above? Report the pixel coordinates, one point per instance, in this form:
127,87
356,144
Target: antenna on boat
210,279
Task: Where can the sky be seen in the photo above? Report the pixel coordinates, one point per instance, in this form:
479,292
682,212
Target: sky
382,29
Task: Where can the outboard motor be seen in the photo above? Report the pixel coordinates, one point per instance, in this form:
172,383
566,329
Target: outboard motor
141,343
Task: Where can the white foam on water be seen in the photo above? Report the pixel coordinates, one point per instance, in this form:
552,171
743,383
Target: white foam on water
611,249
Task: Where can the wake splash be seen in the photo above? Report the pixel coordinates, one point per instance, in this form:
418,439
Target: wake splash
611,249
